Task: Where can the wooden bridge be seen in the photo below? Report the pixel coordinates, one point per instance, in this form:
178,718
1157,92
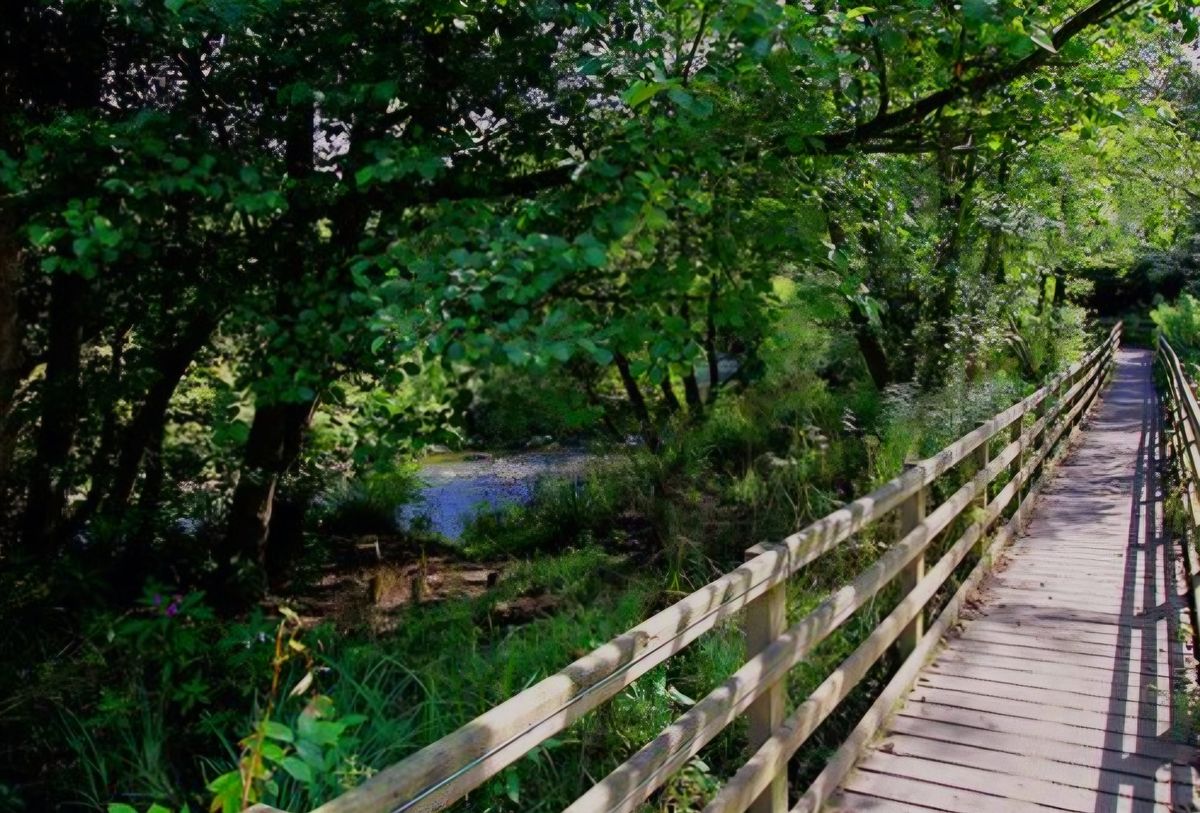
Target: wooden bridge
1047,678
1057,690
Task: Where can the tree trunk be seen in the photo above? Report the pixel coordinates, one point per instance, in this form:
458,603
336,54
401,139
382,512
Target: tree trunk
149,422
106,447
870,347
710,340
11,337
958,177
272,448
691,388
636,400
277,431
62,402
993,253
691,393
668,393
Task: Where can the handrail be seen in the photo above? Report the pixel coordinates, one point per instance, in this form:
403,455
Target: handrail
1183,442
448,769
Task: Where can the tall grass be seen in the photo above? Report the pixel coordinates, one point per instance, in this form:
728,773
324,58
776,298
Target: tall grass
586,561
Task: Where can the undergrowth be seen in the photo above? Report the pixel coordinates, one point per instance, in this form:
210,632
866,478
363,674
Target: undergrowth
186,699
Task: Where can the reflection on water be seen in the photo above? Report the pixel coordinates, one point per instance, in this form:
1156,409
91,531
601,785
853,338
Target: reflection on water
457,487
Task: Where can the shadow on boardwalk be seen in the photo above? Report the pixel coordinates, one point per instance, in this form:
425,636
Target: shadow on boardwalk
1057,693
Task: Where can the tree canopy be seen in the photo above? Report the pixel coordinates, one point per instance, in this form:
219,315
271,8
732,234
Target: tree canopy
317,200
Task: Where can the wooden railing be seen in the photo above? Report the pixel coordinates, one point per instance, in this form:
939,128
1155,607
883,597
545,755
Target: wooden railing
996,481
1183,442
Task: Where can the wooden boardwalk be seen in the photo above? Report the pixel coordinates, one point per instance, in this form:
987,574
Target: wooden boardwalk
1056,691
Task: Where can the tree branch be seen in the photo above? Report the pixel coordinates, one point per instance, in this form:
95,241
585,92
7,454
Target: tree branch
1093,15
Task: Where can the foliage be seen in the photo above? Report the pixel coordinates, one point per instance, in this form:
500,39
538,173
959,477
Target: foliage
1180,323
312,752
255,257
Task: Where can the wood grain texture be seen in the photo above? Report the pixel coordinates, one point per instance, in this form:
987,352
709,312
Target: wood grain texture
1056,691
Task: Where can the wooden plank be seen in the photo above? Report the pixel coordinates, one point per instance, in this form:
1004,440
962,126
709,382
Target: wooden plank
1110,664
1115,647
1014,787
1118,719
940,797
1069,753
1132,595
1134,688
1099,634
850,802
766,620
1069,572
1054,614
1104,577
1131,742
1062,699
1067,637
1043,669
1009,598
1035,767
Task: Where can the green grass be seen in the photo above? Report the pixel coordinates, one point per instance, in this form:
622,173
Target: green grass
595,558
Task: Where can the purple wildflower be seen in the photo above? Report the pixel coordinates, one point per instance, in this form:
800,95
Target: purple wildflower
157,600
172,609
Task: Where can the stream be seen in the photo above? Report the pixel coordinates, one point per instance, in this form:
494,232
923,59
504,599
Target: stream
456,487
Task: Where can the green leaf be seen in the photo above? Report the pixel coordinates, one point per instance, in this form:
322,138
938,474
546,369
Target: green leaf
299,770
118,807
860,11
595,256
277,731
174,6
640,92
978,11
1042,40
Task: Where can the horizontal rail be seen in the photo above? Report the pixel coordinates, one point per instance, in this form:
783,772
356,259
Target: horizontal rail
448,769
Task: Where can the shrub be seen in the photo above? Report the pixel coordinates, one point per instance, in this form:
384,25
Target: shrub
368,505
1180,323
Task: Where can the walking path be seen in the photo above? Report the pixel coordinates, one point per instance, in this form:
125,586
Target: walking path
1057,692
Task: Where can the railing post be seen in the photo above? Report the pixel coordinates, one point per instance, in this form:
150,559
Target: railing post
766,620
983,456
912,513
1014,436
1038,438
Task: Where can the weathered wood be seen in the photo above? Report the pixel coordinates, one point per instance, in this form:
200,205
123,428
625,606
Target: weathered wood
1108,720
1184,414
982,458
766,620
1072,774
633,782
1022,788
843,760
912,514
1058,693
771,759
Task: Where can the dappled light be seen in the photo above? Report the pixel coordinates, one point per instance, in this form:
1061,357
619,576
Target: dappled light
640,405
